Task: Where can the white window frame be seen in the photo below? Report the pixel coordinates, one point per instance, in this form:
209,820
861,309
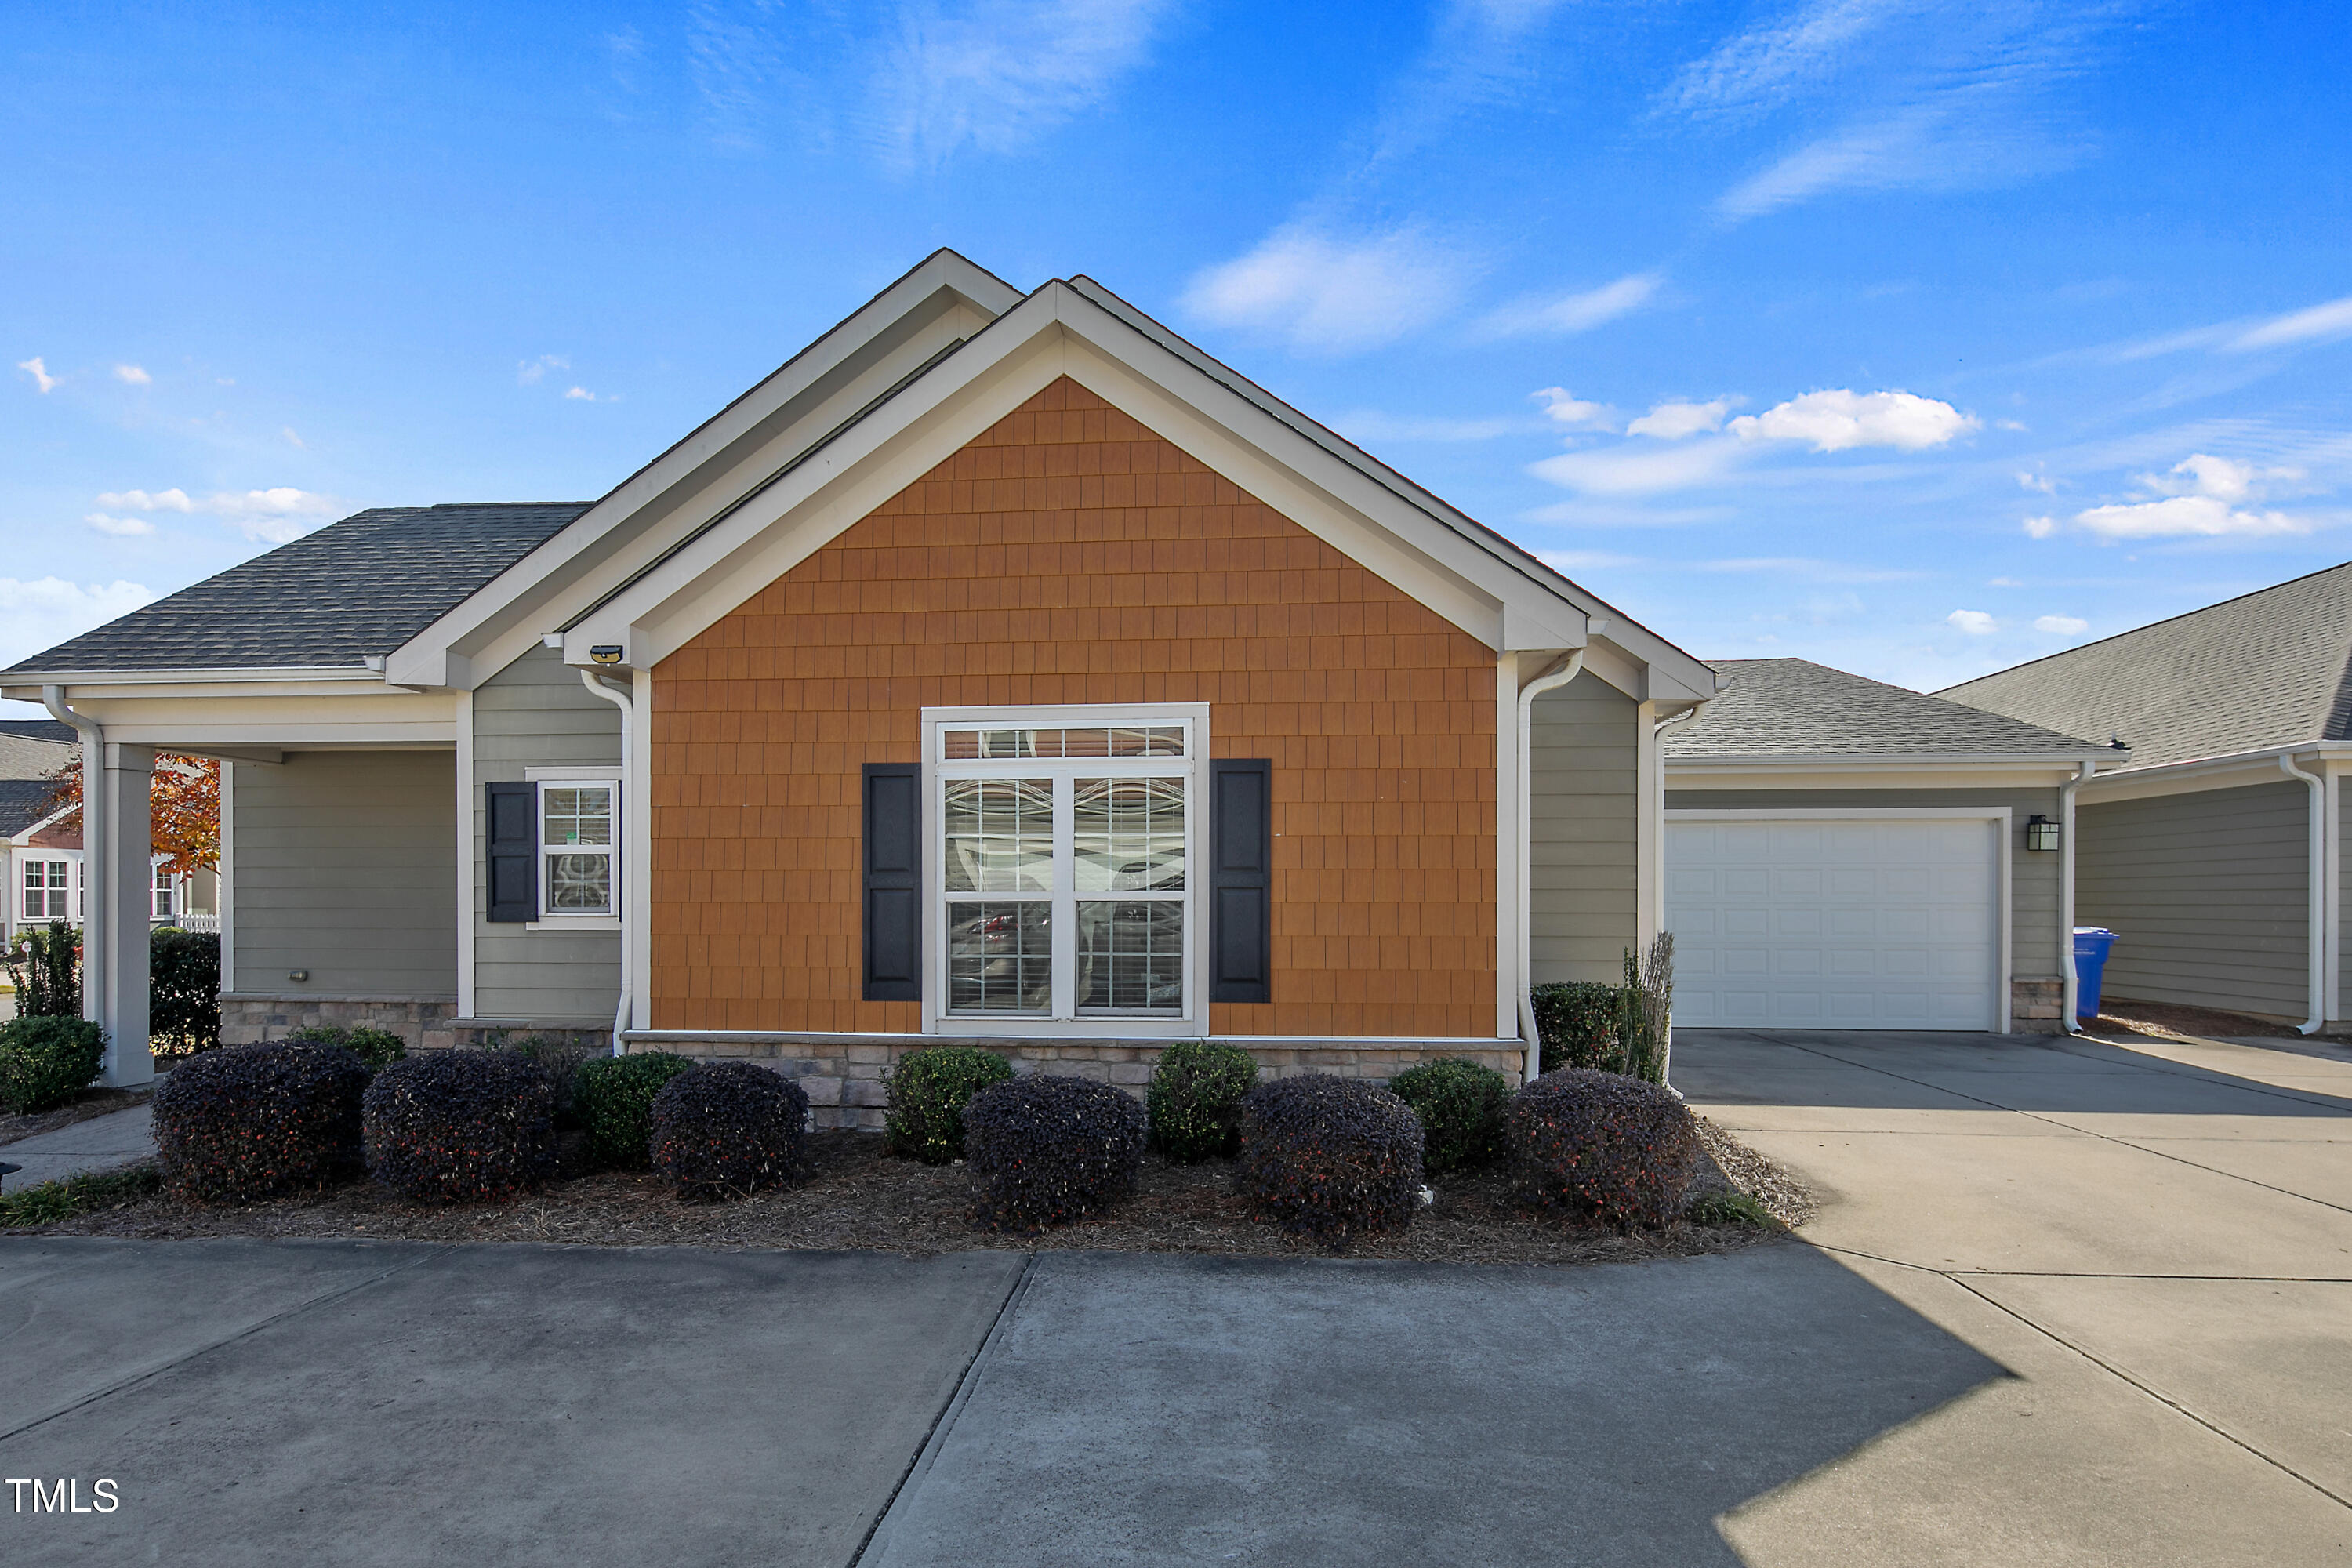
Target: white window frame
1063,1019
162,895
35,857
573,778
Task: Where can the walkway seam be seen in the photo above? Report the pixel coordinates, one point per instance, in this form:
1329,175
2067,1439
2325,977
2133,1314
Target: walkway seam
2110,1368
146,1375
936,1438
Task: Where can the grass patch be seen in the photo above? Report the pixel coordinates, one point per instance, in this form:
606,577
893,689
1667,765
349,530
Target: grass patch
1728,1205
50,1202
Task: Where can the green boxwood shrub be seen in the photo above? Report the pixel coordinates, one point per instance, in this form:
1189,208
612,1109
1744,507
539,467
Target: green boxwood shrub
45,1061
251,1122
725,1130
1581,1024
923,1114
1194,1101
1602,1144
182,989
1045,1150
1460,1104
460,1126
613,1099
376,1048
1330,1157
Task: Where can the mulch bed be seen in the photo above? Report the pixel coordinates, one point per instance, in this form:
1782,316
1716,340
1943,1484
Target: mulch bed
859,1198
2166,1020
95,1102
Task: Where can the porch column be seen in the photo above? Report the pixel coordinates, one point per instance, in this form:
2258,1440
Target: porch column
118,934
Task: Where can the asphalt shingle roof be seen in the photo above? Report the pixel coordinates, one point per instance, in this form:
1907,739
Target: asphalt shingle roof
21,803
2269,668
353,589
37,730
1789,707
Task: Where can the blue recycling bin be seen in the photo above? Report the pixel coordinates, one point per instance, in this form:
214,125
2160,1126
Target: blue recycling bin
2090,946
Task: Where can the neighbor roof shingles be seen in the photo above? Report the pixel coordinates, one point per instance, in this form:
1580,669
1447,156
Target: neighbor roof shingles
355,589
1789,707
2265,669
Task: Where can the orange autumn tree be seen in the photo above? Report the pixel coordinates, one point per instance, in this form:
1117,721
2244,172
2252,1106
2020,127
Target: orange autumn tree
183,804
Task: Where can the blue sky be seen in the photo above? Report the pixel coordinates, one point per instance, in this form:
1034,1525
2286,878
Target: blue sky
1915,338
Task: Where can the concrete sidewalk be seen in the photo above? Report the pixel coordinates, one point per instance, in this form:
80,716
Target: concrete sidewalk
98,1144
2156,1237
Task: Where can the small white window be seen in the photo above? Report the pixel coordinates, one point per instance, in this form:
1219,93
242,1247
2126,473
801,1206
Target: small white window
165,905
579,825
1065,843
45,890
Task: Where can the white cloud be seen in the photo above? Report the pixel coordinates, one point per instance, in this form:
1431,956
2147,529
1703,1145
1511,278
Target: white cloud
270,516
1574,312
530,372
173,500
131,375
1811,570
2199,498
39,372
1332,295
999,73
2320,323
122,526
292,439
1640,470
2061,626
2041,483
1976,623
2040,527
1836,420
1768,62
1673,421
579,395
42,612
1360,425
1569,411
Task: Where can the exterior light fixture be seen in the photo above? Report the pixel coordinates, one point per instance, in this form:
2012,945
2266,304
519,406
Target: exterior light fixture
609,653
2041,833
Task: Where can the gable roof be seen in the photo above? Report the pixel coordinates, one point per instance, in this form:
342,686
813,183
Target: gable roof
37,730
352,590
2267,669
23,801
1792,707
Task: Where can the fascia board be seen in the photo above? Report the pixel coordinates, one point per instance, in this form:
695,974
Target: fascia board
872,348
1425,512
2043,776
26,686
1864,762
2235,771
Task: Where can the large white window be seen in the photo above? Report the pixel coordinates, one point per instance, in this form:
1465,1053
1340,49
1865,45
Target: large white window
161,897
1063,893
49,889
579,823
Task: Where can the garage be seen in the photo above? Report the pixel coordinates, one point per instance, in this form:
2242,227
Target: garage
1809,920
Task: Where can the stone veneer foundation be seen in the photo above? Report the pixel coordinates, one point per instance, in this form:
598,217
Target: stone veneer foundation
2035,1006
842,1074
425,1024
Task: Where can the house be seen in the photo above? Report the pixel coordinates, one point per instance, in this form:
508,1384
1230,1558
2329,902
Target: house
2217,853
1844,854
40,843
1003,667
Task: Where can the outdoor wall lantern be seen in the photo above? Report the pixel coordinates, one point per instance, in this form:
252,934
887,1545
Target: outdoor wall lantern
2041,833
606,653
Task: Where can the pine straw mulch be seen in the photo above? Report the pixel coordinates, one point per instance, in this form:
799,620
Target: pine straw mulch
859,1198
93,1103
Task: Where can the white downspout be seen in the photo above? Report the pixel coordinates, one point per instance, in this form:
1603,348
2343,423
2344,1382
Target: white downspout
96,814
2315,921
1553,681
2071,979
631,800
1666,1067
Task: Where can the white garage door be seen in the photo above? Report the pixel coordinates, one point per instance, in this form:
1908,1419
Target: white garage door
1835,924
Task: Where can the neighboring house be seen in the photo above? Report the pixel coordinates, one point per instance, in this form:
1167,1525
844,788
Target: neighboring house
1846,855
2217,853
1001,668
40,846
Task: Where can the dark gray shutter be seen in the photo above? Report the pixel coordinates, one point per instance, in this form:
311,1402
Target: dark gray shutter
1241,881
513,852
894,893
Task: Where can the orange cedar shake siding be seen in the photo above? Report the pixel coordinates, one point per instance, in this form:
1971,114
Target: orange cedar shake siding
1070,555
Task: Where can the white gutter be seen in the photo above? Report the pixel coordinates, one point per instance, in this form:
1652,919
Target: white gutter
2073,980
2316,926
631,800
1551,682
96,815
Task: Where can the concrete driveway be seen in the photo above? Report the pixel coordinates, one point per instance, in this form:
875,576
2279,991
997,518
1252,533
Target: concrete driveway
2155,1238
2068,1305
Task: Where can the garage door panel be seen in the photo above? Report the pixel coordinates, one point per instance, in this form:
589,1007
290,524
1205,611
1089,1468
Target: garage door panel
1842,923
